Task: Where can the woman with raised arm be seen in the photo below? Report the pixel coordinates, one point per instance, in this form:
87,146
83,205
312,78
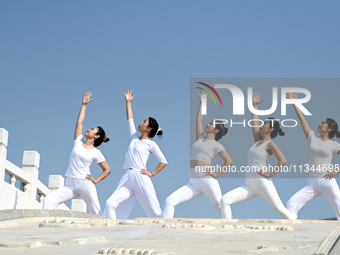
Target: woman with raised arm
258,180
136,181
202,152
320,171
79,181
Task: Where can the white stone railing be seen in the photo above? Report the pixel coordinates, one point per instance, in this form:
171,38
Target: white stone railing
31,187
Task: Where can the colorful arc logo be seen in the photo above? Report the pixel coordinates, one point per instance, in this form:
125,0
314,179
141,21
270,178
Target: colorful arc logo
210,93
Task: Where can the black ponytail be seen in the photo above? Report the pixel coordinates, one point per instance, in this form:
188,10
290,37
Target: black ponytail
277,130
155,129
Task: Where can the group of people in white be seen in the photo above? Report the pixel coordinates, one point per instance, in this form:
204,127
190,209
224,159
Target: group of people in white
136,182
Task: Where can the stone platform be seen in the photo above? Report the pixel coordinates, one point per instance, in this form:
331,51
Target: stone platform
67,232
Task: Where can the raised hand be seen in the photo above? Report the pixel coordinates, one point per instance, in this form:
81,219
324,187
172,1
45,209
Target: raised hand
127,94
304,124
291,95
86,98
203,93
256,98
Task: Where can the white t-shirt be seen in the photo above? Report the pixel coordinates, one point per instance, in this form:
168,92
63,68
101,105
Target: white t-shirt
81,159
205,151
320,153
257,159
139,150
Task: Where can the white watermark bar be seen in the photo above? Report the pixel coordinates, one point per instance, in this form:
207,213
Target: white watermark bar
283,114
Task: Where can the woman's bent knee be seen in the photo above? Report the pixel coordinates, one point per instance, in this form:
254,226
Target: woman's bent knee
226,200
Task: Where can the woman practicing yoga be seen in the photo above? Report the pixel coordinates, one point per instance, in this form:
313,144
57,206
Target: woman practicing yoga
320,176
202,152
136,181
258,180
79,181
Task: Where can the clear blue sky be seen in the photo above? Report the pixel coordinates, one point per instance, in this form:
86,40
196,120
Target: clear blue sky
52,52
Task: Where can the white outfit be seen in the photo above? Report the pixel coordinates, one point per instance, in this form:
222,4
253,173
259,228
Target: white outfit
81,159
199,183
133,182
205,150
74,188
255,185
76,183
320,154
257,159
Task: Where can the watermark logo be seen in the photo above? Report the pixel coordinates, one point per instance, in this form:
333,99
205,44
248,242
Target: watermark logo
238,99
213,90
204,97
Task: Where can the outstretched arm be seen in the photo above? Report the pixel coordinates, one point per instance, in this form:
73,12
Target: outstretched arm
199,118
128,99
256,100
81,117
304,124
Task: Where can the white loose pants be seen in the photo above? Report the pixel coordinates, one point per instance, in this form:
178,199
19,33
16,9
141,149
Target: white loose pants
74,188
208,186
316,185
133,183
254,187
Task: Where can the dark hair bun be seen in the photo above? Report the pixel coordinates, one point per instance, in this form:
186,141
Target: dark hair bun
281,133
106,139
276,125
338,134
159,132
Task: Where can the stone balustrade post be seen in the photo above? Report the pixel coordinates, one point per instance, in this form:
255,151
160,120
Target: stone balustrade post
3,155
78,205
55,182
30,164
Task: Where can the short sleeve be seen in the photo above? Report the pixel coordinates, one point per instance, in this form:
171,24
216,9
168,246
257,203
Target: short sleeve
132,128
311,134
219,147
336,147
78,139
155,150
99,158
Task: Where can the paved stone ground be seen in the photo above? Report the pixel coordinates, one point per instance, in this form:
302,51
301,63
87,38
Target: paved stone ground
76,235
